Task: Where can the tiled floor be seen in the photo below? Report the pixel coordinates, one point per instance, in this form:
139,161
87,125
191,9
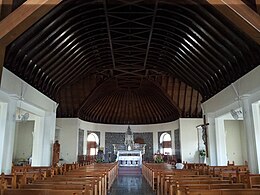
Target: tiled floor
130,185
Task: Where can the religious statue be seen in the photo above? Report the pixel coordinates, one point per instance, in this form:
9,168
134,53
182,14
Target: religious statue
129,139
56,153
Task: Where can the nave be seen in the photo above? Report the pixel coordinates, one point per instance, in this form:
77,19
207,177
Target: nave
130,181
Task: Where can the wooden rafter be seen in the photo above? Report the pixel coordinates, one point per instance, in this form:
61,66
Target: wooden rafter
20,20
241,15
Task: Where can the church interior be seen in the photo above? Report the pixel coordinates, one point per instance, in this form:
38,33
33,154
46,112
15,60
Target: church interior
129,97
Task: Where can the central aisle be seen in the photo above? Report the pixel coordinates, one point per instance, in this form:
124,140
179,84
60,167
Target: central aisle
130,182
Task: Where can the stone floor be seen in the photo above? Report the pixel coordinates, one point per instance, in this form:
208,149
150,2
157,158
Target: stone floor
130,185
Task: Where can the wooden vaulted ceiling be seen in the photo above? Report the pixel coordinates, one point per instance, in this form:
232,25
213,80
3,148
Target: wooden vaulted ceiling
132,62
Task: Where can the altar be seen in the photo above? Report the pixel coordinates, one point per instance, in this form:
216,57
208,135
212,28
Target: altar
129,158
129,153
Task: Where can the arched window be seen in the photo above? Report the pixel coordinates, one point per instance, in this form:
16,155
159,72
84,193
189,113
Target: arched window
93,142
166,144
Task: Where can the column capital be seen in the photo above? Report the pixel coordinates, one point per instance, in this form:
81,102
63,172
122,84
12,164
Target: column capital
244,96
14,97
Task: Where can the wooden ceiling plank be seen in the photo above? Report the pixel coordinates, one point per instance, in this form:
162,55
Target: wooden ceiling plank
20,20
241,15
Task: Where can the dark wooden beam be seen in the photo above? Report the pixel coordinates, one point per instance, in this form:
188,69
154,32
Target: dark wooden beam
241,15
5,8
109,36
150,35
257,3
20,20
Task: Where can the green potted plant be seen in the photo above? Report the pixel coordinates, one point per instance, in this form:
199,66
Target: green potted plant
158,158
100,156
202,153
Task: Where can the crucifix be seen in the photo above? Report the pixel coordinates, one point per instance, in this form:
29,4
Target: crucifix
204,127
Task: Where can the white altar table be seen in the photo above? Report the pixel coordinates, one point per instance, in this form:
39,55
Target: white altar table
129,158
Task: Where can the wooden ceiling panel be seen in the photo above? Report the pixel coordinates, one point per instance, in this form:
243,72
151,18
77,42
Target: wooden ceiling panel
132,62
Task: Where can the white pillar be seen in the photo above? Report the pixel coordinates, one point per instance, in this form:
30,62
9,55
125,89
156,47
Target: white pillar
221,142
155,142
173,142
85,142
38,145
250,134
3,118
102,140
7,134
211,131
48,138
256,115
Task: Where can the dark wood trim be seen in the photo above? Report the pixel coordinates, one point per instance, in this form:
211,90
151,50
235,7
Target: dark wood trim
241,15
5,8
2,55
257,2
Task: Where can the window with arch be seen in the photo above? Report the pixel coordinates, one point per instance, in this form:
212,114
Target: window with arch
92,144
166,144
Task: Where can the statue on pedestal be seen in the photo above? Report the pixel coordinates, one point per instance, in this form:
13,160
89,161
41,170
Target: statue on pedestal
56,153
129,139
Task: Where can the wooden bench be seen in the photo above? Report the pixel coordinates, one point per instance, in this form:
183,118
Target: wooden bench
86,186
254,180
192,179
44,192
221,192
184,187
8,181
94,179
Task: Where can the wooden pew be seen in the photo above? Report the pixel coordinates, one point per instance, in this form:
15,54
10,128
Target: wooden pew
44,192
84,186
111,170
168,180
254,180
221,192
177,188
151,172
167,176
101,178
95,179
97,171
8,181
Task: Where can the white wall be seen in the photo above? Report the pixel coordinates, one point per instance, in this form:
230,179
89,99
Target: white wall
68,139
122,128
13,84
42,110
222,102
245,93
155,128
23,140
68,133
189,139
233,140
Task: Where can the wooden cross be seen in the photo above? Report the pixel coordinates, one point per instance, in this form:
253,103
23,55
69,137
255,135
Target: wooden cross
204,127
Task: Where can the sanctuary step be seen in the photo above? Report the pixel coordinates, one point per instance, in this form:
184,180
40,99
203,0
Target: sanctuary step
129,171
